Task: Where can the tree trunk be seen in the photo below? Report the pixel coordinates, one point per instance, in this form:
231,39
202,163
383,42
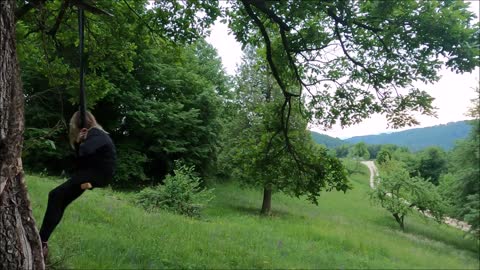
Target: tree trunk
267,201
267,190
399,220
20,246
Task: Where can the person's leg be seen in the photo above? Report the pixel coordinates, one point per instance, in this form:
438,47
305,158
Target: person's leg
58,199
95,178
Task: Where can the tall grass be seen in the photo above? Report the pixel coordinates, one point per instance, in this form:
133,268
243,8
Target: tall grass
103,230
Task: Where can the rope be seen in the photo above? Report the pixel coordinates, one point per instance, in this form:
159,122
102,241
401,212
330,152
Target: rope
83,99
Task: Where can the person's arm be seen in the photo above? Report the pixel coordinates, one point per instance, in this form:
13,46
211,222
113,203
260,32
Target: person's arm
95,139
76,148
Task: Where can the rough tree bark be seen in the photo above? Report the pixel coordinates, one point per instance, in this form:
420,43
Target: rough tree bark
20,246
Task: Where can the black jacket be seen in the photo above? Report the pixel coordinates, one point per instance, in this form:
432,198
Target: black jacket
97,153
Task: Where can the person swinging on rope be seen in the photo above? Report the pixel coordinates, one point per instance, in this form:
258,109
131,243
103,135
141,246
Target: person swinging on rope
95,158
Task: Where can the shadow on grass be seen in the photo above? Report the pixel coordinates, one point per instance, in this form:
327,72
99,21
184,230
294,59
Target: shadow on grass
255,211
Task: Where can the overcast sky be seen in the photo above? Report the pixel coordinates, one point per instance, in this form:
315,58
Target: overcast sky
452,92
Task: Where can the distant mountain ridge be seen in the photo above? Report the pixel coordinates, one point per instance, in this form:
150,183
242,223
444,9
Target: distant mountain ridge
415,139
329,142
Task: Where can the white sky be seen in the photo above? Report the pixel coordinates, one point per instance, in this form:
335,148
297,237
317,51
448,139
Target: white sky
452,92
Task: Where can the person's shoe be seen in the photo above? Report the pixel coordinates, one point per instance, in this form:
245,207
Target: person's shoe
45,250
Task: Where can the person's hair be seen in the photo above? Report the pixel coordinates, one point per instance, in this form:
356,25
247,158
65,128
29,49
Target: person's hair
90,122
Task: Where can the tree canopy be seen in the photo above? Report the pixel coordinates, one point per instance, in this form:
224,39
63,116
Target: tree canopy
343,60
355,58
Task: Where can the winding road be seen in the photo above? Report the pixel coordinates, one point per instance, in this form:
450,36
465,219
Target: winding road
447,220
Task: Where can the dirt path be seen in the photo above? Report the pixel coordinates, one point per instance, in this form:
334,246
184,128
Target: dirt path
447,220
373,171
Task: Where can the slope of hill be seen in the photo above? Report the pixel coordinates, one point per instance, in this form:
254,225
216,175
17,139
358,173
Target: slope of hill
105,230
329,142
416,139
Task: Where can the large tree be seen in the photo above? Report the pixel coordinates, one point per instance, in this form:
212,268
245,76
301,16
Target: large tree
20,246
259,156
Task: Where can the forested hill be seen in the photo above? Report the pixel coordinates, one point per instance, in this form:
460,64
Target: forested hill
416,139
329,142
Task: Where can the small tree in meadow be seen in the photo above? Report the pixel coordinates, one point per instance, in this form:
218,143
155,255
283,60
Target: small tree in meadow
259,151
399,193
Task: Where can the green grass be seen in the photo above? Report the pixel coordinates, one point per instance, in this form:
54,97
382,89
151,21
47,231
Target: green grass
104,230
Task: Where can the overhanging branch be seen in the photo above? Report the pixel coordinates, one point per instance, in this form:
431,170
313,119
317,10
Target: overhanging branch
59,18
268,45
20,12
262,6
337,19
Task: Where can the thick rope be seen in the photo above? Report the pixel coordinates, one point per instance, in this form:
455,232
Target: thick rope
83,100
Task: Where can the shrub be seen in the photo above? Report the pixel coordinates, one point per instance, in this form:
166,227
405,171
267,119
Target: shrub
46,151
181,193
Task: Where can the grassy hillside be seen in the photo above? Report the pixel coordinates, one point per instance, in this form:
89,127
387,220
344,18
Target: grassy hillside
329,142
103,229
416,139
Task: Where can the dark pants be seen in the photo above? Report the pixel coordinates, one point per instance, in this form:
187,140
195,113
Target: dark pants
60,197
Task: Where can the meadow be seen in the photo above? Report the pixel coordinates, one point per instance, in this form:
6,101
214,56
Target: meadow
104,229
